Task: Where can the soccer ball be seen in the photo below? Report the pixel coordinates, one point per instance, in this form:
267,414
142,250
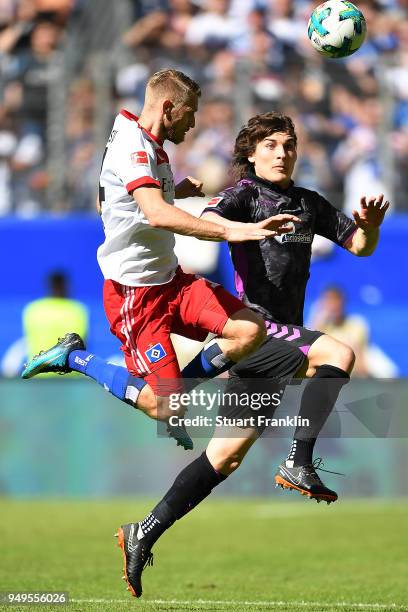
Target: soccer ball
336,28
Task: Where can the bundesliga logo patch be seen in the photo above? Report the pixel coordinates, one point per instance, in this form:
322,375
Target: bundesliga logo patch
155,353
214,201
139,158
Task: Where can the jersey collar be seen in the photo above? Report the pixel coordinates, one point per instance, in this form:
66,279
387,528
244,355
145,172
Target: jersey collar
260,181
133,117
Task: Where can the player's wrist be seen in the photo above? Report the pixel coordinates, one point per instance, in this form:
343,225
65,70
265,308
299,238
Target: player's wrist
370,230
225,232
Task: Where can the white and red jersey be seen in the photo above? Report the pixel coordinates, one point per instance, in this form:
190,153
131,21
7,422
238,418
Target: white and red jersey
134,253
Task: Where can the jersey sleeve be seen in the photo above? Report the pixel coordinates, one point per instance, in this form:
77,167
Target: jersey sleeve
333,224
229,205
135,160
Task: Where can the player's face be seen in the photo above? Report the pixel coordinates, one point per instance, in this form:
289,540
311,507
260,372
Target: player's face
183,119
274,158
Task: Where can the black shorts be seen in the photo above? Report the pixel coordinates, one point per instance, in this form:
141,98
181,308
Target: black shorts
280,356
265,373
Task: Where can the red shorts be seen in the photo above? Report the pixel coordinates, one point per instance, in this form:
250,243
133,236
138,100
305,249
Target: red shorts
143,318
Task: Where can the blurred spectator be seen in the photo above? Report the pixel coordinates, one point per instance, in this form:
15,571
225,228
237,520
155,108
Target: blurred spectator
344,107
331,318
208,155
357,157
45,319
32,76
329,315
8,145
214,27
83,160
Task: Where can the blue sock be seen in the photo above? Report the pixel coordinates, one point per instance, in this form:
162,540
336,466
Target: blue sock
113,378
210,362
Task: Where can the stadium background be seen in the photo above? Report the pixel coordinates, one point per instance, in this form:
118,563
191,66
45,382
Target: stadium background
66,68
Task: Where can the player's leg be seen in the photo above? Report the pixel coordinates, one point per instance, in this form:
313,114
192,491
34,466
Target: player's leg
69,354
239,331
328,366
192,485
141,319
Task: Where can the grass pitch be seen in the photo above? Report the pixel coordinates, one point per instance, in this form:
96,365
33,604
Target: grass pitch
239,555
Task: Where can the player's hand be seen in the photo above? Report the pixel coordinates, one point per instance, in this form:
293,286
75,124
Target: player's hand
280,224
372,212
251,232
189,188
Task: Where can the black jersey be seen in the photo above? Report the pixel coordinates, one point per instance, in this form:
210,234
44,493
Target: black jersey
271,275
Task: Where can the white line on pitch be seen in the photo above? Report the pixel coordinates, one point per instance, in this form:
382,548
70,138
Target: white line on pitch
266,604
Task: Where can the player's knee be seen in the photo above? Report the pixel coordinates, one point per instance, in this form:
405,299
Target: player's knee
147,402
327,350
349,359
247,333
344,357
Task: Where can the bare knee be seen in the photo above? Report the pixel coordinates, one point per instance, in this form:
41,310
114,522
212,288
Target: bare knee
147,402
155,407
245,332
348,358
343,357
327,350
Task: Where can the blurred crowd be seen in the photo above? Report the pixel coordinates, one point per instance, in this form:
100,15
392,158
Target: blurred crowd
249,56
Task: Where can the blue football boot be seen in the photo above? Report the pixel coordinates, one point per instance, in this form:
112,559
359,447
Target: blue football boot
56,358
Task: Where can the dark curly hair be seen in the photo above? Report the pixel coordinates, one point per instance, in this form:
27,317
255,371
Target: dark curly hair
258,128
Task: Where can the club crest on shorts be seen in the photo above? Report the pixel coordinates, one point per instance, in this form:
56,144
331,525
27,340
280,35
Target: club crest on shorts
155,353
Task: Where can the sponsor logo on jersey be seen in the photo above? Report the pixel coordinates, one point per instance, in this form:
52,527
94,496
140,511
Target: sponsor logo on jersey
167,185
301,238
292,236
139,158
215,201
155,353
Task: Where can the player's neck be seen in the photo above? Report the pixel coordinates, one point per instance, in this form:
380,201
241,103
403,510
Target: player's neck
269,183
153,125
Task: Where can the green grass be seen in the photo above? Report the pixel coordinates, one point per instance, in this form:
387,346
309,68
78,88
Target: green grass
224,552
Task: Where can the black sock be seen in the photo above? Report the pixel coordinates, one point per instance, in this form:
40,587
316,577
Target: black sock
191,486
317,402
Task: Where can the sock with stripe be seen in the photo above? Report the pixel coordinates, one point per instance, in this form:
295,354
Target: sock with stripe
193,484
113,378
318,400
209,362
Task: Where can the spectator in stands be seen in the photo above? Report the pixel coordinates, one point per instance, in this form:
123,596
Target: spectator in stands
47,318
357,157
213,28
330,317
8,144
34,74
337,102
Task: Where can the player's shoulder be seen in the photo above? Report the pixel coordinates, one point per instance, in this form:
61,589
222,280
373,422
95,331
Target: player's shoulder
307,194
239,193
127,126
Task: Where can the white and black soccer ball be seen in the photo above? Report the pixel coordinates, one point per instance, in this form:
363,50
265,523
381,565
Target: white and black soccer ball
336,28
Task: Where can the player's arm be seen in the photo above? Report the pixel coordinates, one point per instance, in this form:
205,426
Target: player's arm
164,216
98,206
368,220
276,223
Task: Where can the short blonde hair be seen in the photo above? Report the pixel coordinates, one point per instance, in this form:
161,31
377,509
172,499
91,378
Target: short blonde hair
174,84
